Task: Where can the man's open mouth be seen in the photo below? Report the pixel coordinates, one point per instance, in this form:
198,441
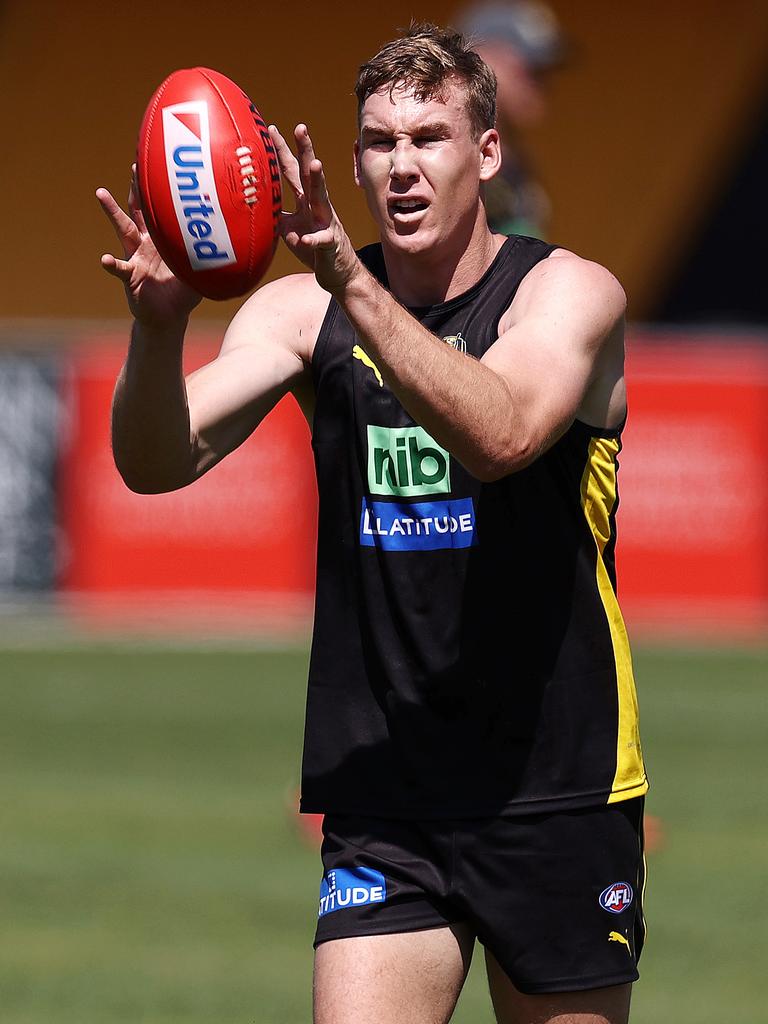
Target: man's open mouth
405,206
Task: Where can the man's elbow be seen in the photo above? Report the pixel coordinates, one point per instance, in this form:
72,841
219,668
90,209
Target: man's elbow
150,486
503,460
143,479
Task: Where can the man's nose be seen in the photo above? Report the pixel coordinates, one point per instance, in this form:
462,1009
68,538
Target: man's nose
404,166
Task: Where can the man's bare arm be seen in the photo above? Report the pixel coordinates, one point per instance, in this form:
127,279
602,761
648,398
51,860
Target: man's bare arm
498,415
167,431
266,352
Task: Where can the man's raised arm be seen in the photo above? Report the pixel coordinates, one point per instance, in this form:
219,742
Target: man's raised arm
166,432
559,357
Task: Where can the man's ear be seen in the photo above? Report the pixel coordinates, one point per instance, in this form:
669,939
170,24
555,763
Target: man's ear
356,157
490,154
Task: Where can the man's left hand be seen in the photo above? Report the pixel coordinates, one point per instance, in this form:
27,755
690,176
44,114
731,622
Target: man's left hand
313,232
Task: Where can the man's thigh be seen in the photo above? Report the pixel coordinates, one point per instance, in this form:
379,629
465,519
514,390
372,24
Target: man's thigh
594,1006
382,979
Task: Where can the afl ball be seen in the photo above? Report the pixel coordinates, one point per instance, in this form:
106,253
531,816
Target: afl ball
209,183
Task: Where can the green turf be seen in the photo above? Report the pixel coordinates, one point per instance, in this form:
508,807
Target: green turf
149,871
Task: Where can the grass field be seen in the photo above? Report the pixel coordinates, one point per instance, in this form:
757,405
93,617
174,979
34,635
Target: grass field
149,871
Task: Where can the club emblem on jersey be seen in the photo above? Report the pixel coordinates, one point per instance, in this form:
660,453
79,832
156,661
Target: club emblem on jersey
365,359
456,341
617,897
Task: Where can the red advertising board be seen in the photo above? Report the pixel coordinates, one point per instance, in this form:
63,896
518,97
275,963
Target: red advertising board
693,524
247,525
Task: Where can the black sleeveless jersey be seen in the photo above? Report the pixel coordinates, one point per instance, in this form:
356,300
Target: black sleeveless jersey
469,656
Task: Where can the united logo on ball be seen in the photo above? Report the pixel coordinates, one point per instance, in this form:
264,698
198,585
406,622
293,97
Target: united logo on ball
617,897
209,182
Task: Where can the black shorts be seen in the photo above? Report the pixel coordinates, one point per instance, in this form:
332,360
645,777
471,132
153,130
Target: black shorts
556,898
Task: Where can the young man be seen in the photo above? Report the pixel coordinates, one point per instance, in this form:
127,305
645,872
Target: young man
471,723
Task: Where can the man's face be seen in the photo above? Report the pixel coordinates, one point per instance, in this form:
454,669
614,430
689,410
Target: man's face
419,167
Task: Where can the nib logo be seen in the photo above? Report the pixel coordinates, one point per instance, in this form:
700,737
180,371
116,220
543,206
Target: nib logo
406,462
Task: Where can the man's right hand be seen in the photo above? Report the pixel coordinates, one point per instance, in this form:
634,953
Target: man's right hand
156,298
167,430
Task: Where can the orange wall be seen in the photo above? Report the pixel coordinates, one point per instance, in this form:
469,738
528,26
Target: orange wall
642,125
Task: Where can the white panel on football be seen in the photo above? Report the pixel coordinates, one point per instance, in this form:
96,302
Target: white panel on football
186,137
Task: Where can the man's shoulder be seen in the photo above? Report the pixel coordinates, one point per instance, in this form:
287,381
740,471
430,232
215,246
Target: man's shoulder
565,270
566,280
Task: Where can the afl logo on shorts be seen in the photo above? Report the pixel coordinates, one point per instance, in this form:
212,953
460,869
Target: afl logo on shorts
617,897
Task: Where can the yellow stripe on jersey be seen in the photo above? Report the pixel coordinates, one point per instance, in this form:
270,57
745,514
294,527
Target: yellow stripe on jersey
598,497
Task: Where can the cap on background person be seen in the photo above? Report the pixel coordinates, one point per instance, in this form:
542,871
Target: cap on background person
521,41
531,27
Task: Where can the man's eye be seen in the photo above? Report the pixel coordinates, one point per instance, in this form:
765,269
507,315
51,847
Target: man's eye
425,140
380,144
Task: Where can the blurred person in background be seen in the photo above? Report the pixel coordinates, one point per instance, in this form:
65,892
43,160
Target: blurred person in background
522,43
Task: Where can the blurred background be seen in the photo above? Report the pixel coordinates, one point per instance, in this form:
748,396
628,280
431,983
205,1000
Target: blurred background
153,649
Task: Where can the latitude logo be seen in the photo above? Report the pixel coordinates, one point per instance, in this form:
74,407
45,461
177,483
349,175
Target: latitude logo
406,462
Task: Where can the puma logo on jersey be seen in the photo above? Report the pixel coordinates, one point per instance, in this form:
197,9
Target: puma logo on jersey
365,359
618,937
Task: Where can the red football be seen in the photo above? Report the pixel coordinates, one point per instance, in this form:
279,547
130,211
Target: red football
209,183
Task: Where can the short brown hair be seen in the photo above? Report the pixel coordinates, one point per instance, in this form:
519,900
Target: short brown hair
425,58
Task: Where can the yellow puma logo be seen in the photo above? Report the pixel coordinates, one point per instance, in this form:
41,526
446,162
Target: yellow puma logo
358,353
617,937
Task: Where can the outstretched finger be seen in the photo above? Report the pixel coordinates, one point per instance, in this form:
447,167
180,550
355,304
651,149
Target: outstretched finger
318,193
125,228
134,202
289,165
306,153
